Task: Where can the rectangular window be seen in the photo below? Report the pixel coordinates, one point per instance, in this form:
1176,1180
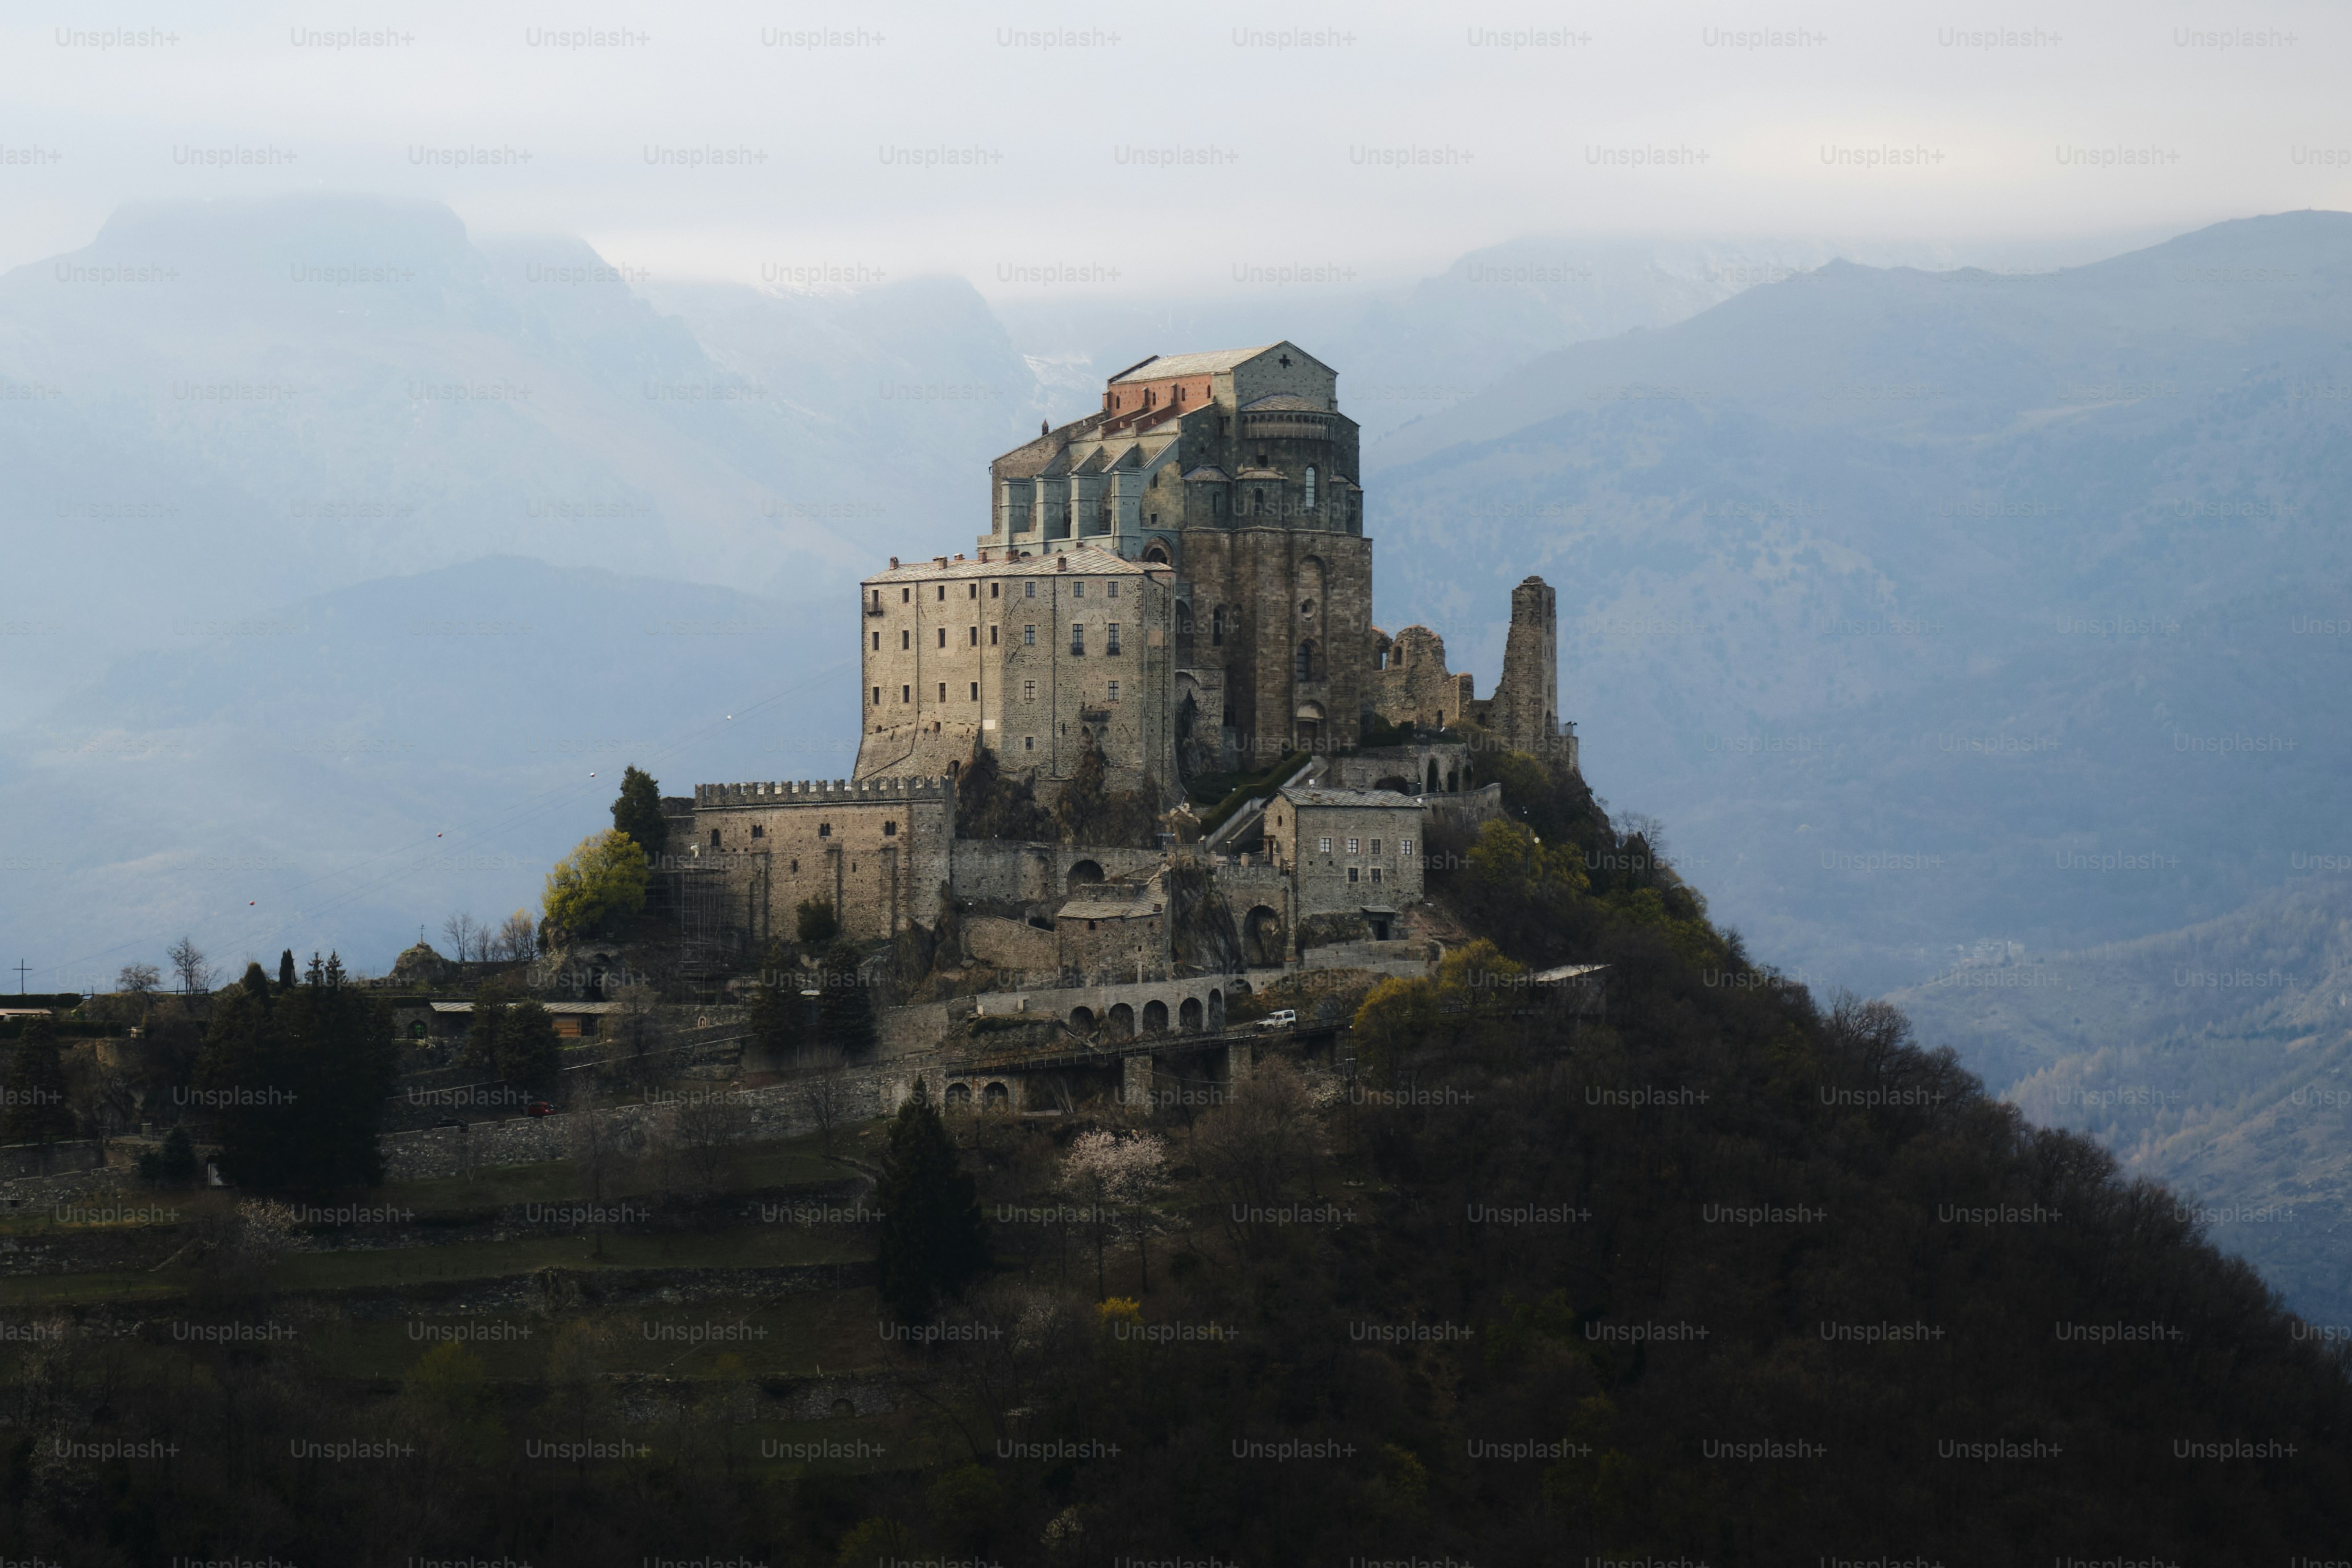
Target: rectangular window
905,640
1114,691
943,637
1111,592
1028,691
1376,845
1376,873
943,692
1078,639
796,867
975,636
943,590
1028,590
992,588
1110,639
758,831
975,691
906,596
1028,637
1322,847
1352,873
906,694
1028,742
877,697
889,830
877,642
1404,846
992,636
1078,590
1352,846
971,591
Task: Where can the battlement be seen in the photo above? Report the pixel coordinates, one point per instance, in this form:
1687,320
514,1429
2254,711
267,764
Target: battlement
822,792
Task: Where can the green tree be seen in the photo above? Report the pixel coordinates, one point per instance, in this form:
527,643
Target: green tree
286,969
932,1242
780,1013
34,1109
528,1055
484,1026
845,1013
638,813
256,982
175,1166
816,922
297,1082
1398,1017
603,880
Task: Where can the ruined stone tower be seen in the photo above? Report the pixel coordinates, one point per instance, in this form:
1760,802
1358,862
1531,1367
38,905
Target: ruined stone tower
1525,711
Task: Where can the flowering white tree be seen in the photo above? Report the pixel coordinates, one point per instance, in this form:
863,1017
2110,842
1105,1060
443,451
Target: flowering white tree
1104,1171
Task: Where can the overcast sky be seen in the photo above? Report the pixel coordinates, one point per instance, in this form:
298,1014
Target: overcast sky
1378,139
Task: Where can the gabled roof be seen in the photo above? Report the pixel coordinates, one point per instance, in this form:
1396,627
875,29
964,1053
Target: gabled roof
1283,403
1162,367
1351,797
1208,473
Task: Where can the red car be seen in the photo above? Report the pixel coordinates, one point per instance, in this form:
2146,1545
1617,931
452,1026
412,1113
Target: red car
537,1107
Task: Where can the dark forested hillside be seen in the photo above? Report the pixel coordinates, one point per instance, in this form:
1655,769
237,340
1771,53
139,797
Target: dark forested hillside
1712,1270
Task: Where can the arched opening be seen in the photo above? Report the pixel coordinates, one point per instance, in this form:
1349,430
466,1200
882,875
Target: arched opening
1308,726
1155,1017
1156,551
842,1408
1188,1016
958,1097
1082,873
1217,626
1262,937
1453,781
1121,1021
996,1096
1309,495
1432,775
1402,786
1082,1019
1216,1012
1306,660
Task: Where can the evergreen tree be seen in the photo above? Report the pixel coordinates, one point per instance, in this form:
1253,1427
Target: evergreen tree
932,1241
32,1106
297,1082
780,1013
256,982
845,1013
174,1166
638,813
485,1027
529,1056
285,970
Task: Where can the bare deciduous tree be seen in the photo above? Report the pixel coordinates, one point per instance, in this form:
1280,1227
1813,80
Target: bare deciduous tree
827,1093
1262,1138
464,937
707,1124
188,963
137,980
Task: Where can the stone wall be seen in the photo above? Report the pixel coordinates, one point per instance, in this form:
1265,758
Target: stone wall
999,870
1413,685
877,849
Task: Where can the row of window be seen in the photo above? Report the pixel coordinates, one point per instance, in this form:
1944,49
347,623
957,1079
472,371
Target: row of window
1028,694
1028,591
824,830
1112,644
1323,846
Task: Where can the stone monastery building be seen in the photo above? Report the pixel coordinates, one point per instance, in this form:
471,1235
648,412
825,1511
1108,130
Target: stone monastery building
1180,581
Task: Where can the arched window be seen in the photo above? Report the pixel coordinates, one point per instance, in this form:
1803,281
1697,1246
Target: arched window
1217,626
1310,488
1306,660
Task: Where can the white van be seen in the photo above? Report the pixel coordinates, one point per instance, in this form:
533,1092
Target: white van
1285,1019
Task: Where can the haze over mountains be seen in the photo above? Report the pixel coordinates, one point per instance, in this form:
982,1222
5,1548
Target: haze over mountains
1934,611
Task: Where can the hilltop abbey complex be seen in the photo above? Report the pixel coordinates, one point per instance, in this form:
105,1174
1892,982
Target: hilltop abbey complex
1179,587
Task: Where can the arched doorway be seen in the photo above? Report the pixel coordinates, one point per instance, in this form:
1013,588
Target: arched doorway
1432,775
958,1097
1216,1012
1155,1017
1082,1019
996,1096
1082,873
1402,786
1188,1016
1120,1022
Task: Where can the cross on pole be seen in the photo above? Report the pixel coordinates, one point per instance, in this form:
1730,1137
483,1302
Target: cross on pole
20,976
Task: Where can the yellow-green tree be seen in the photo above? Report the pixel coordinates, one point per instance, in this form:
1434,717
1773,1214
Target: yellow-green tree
1396,1016
602,881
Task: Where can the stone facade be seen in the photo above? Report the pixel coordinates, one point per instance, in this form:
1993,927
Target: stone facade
1037,655
1410,683
1237,470
1524,713
877,849
1347,851
1113,933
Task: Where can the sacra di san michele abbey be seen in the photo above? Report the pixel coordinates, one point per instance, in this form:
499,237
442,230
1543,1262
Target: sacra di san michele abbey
1180,580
